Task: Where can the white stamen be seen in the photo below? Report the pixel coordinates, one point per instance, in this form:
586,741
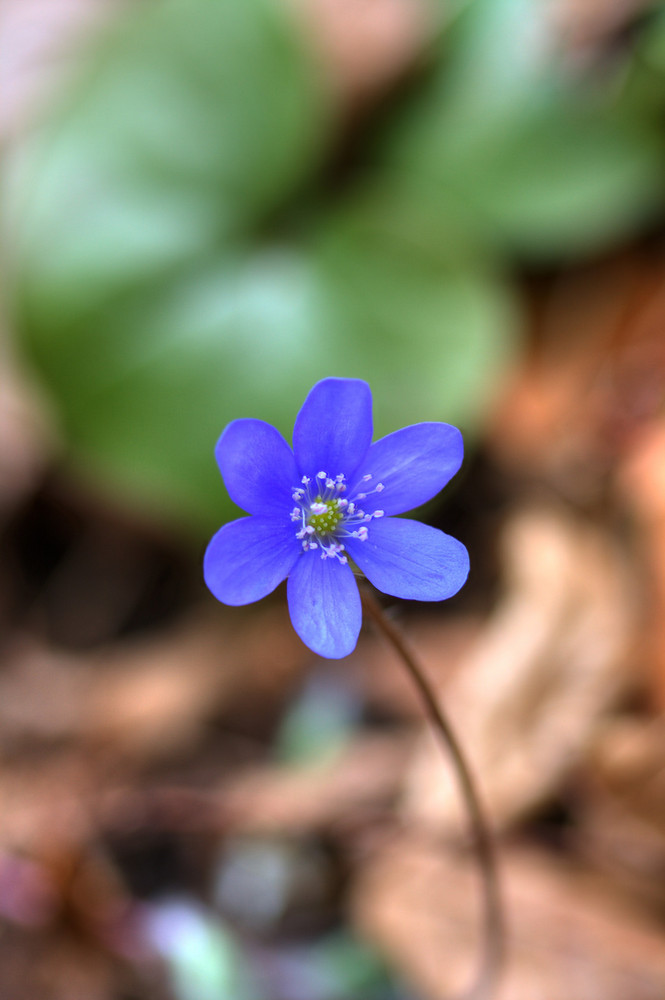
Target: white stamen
338,517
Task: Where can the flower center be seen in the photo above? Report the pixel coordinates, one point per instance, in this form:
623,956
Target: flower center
325,516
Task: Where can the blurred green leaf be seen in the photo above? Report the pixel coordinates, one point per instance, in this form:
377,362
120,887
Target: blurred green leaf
643,85
431,326
153,297
559,183
190,123
145,399
516,150
652,48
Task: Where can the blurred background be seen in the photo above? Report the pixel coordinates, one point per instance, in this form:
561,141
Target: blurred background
207,206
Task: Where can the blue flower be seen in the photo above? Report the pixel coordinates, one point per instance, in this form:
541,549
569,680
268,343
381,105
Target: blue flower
328,501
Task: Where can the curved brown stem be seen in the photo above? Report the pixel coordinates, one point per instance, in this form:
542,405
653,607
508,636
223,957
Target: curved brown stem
494,924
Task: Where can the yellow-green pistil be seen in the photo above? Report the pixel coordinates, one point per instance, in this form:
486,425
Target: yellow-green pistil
329,517
325,522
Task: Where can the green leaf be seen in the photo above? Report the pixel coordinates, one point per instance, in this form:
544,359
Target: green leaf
145,399
154,301
190,123
431,327
642,90
515,150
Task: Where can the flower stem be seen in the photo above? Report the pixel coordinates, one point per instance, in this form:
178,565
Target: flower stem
494,924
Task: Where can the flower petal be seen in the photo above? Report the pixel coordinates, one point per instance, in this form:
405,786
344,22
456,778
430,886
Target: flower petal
324,604
334,427
247,558
413,464
411,560
257,466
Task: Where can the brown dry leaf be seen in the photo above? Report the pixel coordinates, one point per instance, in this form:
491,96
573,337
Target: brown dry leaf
364,776
621,817
149,698
592,378
629,758
68,912
641,481
45,805
57,967
152,699
441,644
42,691
528,696
567,939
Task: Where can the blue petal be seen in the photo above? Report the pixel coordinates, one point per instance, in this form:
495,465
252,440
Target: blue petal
334,427
258,467
247,558
324,604
411,560
413,464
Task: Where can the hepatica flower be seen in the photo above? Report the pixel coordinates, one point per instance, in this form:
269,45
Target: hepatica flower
327,505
